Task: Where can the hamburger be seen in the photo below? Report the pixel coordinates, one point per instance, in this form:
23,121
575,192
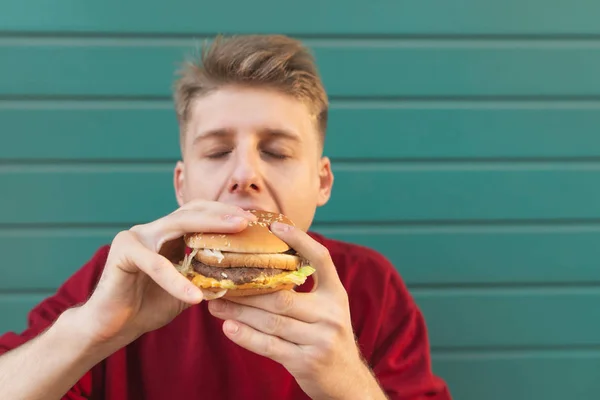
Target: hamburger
250,262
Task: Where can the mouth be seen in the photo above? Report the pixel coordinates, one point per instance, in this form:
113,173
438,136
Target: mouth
257,208
248,206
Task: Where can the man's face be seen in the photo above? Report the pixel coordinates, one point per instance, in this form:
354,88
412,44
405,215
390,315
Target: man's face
255,148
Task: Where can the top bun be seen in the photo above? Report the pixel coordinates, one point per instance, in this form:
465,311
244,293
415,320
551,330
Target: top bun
256,238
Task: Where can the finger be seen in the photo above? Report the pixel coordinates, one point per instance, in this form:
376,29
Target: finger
214,206
314,252
139,258
286,328
260,343
300,306
174,226
205,217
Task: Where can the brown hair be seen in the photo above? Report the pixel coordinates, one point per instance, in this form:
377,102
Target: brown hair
273,61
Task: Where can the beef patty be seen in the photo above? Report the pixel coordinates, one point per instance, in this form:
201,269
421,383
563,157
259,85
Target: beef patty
238,275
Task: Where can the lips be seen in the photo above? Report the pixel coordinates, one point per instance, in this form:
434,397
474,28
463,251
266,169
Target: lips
253,206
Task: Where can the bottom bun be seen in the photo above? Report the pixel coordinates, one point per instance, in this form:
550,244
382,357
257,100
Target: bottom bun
208,294
215,293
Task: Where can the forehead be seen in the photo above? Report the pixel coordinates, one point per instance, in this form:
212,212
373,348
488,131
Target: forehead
250,110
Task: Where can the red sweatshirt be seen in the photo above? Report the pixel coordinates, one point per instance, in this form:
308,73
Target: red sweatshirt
191,358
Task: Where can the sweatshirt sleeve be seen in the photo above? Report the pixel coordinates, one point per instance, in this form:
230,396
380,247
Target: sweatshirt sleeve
402,362
74,291
400,356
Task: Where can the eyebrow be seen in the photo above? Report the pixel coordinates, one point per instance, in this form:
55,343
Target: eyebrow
215,133
268,132
280,133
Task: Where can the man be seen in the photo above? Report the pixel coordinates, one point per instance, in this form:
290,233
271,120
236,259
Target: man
127,325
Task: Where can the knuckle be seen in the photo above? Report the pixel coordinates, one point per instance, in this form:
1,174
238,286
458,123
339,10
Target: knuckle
142,229
163,222
180,218
138,228
269,346
342,298
337,319
334,334
284,301
156,268
195,204
337,329
181,208
316,359
141,232
322,254
122,237
231,308
273,324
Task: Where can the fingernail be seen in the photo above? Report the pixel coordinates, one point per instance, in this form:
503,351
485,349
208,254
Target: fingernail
234,219
231,327
280,227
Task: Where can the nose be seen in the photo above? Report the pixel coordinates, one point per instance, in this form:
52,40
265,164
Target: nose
246,175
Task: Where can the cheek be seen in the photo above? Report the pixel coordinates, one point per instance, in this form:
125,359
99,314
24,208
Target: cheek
199,184
298,196
295,184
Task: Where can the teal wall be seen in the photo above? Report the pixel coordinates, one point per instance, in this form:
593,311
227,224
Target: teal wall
472,126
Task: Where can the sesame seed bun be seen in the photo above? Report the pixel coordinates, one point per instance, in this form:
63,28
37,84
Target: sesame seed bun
256,238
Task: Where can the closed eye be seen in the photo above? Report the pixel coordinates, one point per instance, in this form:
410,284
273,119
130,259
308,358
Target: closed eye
219,154
278,156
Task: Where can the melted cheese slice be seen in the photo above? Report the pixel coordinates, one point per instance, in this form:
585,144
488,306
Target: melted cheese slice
295,277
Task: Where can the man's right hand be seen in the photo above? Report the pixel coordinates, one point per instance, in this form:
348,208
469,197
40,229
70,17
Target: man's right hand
140,290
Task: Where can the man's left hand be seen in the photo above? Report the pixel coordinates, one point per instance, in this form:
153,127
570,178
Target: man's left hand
310,334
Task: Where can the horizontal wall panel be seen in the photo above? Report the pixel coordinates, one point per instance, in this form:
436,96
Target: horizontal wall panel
74,133
423,256
311,17
539,376
141,69
129,194
120,131
48,257
511,317
102,194
462,319
486,255
476,130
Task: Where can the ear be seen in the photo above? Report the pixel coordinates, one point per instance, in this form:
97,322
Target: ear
178,183
325,181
